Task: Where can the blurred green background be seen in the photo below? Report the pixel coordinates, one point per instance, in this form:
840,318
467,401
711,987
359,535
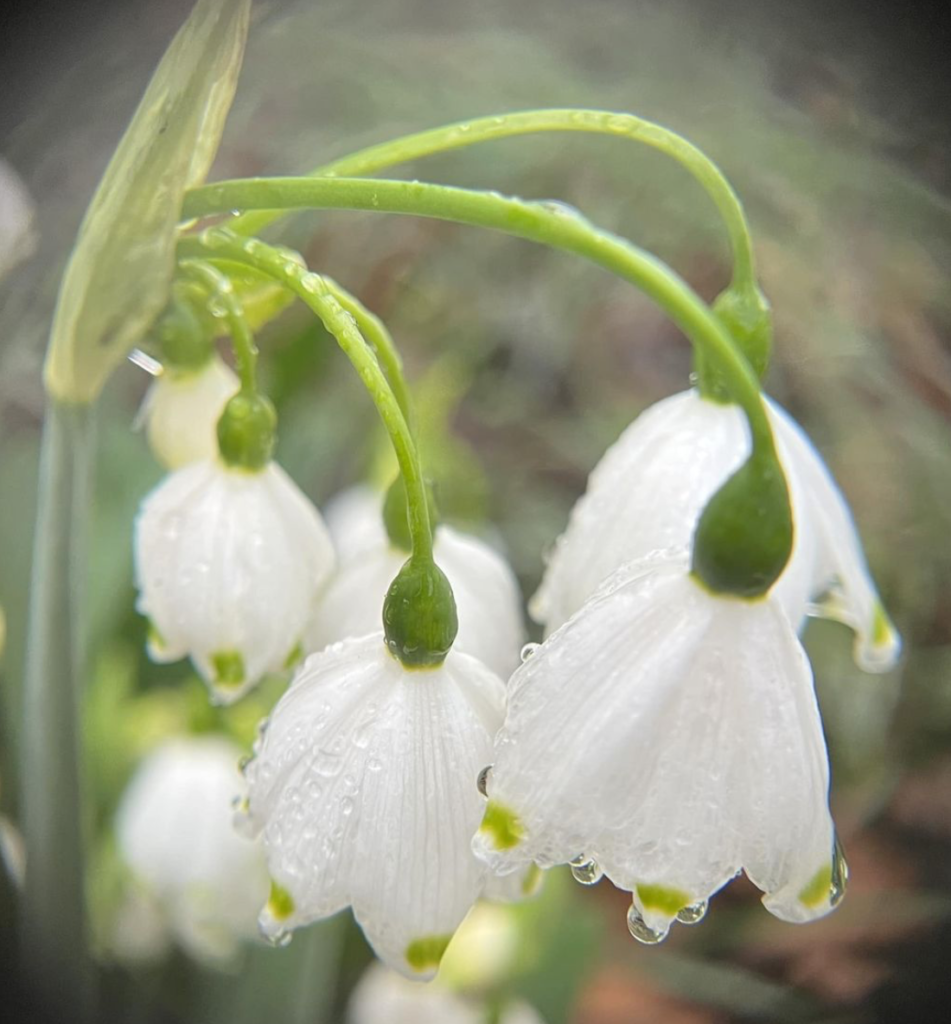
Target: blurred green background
835,137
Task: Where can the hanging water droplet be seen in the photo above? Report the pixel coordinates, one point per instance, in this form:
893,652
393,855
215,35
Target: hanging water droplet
279,938
528,650
640,930
586,870
483,780
840,875
693,914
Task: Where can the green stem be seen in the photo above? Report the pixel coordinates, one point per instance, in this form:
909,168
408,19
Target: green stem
485,129
537,221
374,330
315,293
53,912
221,288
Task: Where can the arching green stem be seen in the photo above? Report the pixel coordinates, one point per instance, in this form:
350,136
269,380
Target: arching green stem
541,222
222,291
374,330
342,324
485,129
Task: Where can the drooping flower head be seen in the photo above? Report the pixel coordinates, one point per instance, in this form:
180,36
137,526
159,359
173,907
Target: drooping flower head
173,829
363,787
649,489
231,558
671,736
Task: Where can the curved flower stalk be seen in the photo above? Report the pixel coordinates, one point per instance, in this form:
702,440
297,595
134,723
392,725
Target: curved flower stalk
182,408
669,737
649,489
485,589
229,567
363,785
174,832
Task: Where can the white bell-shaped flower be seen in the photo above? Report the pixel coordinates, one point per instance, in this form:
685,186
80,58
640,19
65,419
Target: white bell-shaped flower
669,737
486,591
364,786
230,564
648,491
182,407
174,831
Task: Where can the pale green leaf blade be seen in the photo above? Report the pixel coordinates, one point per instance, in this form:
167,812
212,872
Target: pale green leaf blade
118,275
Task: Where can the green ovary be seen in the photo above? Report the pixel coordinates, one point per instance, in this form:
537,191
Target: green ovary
502,825
425,954
663,899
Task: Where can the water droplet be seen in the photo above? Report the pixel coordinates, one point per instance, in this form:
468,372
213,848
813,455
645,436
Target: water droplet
483,780
693,914
374,764
640,930
586,870
279,938
346,807
528,650
840,875
243,763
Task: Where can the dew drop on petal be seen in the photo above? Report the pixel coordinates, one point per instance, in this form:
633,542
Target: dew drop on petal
693,914
586,870
640,930
483,780
528,650
840,875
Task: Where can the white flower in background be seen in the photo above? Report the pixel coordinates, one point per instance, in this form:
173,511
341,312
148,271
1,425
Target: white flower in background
384,997
672,737
229,565
17,215
182,407
364,787
486,591
647,492
174,831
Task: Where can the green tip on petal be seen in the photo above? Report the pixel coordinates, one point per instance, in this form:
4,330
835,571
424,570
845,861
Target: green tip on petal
154,636
745,534
419,615
294,656
502,825
425,954
247,431
663,899
228,667
532,880
816,890
280,903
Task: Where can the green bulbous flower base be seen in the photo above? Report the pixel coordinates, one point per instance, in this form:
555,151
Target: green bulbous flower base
745,534
185,336
396,515
745,313
419,615
247,431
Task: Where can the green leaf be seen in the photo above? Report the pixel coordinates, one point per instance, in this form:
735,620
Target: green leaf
118,276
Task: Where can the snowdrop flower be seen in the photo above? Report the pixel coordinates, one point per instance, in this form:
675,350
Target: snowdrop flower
364,787
486,591
670,737
384,997
230,561
650,487
182,408
173,829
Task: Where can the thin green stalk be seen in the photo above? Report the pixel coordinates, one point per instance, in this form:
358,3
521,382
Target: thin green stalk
221,289
315,293
485,129
375,332
541,222
52,911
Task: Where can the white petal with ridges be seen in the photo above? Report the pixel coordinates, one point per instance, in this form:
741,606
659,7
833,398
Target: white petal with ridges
364,786
670,735
182,409
229,564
